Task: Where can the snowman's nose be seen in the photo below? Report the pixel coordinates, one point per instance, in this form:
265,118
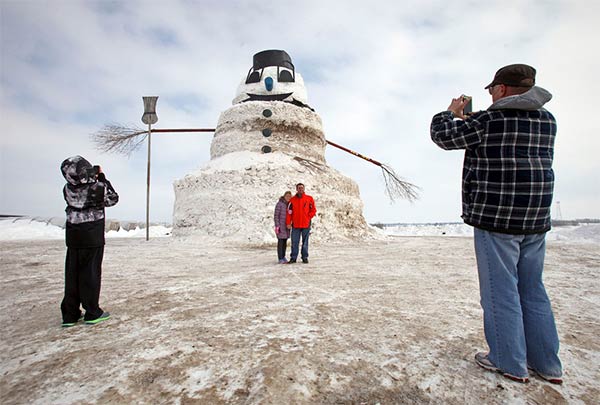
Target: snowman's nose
269,83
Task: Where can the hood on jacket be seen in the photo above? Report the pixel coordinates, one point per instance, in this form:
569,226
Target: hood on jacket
74,170
533,99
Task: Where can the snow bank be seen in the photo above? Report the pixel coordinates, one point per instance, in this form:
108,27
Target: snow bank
576,233
35,229
32,229
584,232
443,229
11,229
156,231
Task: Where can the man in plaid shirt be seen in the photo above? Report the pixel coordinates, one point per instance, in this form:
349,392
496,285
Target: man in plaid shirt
507,187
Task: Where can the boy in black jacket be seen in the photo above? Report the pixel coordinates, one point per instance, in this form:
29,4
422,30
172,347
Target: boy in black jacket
87,192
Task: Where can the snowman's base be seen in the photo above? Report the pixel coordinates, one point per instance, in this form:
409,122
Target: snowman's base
233,198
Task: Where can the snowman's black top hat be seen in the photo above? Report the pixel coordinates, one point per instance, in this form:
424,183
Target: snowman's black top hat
272,57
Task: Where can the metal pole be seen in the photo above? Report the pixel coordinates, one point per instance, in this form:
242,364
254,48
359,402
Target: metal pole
148,184
149,118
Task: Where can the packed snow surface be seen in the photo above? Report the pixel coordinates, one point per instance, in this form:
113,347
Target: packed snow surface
391,321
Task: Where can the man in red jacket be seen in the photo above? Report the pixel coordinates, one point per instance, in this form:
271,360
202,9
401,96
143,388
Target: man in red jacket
301,210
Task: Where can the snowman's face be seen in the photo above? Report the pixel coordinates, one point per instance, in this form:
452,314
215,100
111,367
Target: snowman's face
271,84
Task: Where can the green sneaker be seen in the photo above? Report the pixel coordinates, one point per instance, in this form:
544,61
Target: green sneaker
103,317
69,324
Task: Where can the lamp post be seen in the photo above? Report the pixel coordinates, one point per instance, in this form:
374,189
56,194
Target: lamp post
149,118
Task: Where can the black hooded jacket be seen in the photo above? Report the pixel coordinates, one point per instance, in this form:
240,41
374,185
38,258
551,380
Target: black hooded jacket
86,197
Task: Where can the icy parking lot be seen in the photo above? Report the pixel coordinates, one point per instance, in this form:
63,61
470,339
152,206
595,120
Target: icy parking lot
392,321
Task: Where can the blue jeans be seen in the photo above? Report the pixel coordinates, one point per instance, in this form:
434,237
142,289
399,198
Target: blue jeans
518,321
296,232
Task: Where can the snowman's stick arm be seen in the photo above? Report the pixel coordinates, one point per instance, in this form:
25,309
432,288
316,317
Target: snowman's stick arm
395,186
115,138
167,130
184,130
355,153
213,130
131,133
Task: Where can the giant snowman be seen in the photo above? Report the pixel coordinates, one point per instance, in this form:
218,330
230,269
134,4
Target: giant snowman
266,143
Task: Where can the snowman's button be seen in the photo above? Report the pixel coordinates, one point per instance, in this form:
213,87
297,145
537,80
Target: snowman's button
266,149
266,132
267,113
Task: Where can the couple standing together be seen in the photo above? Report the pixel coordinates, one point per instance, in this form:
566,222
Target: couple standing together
293,215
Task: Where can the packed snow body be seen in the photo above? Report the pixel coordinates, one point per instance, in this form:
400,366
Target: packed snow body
296,131
266,143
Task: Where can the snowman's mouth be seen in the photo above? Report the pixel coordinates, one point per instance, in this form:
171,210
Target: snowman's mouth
267,97
277,97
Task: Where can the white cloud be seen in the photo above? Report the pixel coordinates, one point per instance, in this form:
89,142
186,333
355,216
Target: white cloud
375,72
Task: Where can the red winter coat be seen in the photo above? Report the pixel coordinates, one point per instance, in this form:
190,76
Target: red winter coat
300,211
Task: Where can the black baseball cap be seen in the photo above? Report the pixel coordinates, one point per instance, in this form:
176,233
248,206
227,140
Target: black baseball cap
517,75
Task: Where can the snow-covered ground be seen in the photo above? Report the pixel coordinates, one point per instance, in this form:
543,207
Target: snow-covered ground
387,321
445,229
37,229
584,232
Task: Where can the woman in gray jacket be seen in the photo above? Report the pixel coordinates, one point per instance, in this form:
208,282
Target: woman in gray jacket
281,230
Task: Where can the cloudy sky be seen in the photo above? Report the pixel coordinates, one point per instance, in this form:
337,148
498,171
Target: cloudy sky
375,71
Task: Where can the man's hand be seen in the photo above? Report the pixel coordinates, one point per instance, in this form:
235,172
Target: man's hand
289,226
457,106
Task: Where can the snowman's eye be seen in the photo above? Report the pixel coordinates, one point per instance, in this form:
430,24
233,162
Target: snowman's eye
254,77
285,76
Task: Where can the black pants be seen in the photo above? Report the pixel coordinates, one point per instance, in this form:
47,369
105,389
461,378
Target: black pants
281,246
83,271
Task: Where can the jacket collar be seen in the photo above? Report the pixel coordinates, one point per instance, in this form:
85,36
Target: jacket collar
533,99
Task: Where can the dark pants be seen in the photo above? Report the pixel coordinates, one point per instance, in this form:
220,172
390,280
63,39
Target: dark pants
296,233
83,271
281,247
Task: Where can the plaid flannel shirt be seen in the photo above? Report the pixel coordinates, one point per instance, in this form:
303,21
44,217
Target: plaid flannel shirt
507,179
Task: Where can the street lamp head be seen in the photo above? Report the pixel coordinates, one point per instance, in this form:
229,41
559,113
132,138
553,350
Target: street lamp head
150,116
